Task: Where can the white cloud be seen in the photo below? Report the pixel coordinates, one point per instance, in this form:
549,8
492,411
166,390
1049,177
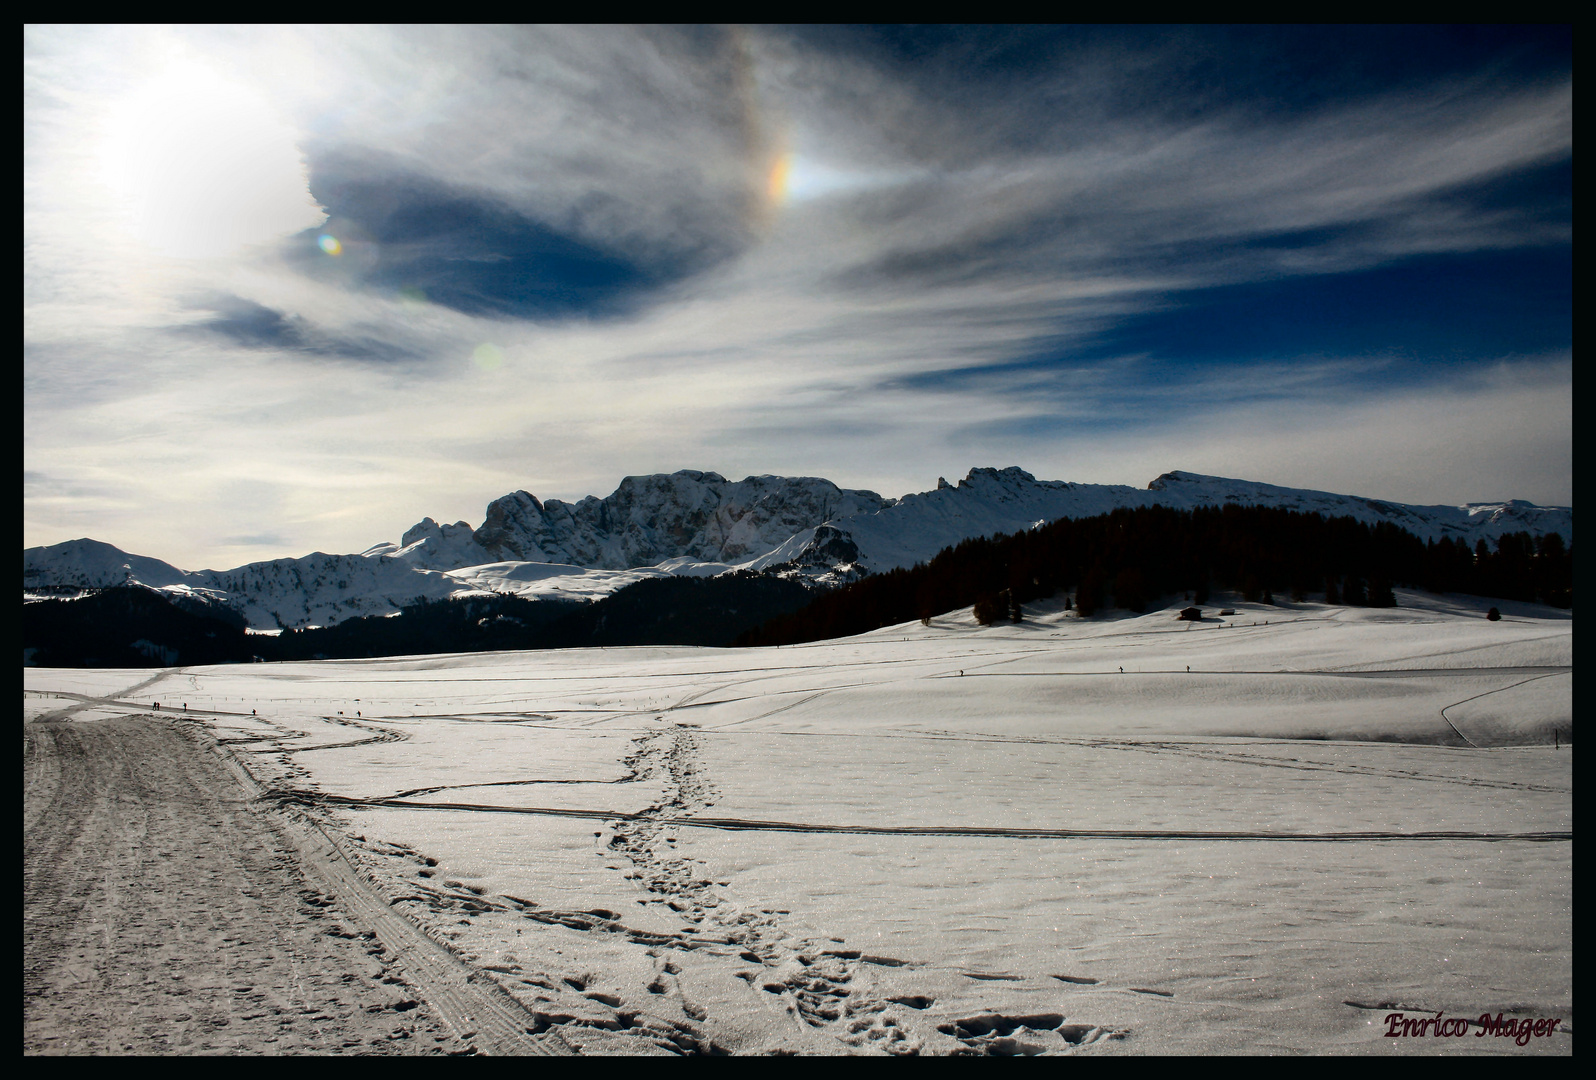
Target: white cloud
919,235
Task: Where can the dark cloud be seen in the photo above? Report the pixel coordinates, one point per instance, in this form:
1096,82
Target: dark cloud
255,326
409,236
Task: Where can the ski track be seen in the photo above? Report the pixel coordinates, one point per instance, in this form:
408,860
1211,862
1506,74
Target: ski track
165,909
1488,693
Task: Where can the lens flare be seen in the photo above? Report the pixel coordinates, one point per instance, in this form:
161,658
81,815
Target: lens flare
329,243
487,356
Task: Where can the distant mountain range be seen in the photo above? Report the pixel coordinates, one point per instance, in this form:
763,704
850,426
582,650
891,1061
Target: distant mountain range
699,524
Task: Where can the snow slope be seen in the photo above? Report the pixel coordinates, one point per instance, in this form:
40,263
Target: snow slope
95,565
1114,836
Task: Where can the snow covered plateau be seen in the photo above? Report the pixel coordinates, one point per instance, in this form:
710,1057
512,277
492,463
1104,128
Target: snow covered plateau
1124,835
699,523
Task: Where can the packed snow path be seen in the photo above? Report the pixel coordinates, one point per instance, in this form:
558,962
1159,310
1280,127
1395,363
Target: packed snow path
163,913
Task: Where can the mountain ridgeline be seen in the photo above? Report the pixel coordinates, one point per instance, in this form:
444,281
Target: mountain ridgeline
699,524
1131,558
1126,559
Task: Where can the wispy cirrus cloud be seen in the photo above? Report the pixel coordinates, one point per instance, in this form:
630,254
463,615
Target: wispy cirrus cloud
550,257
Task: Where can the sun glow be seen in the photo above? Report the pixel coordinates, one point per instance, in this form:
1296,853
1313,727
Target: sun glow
201,166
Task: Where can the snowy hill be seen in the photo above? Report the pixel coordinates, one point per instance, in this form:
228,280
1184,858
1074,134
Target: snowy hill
1469,523
322,590
315,590
989,501
699,523
89,564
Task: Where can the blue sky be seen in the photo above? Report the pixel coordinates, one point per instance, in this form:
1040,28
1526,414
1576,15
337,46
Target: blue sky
295,288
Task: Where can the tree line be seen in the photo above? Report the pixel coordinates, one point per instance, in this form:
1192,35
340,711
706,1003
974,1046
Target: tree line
1131,557
133,626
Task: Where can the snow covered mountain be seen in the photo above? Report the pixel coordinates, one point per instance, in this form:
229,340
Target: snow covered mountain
699,523
989,501
316,590
89,564
700,516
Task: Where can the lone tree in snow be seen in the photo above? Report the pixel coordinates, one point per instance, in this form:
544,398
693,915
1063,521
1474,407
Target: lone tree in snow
989,609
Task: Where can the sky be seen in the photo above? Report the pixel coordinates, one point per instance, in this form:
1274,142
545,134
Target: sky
292,289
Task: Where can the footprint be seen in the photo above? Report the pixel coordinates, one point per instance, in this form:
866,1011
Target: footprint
992,977
987,1023
1145,990
1079,979
1011,1047
914,1001
998,1035
1389,1005
1081,1034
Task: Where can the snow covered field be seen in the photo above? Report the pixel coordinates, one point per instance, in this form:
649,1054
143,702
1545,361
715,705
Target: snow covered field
1118,835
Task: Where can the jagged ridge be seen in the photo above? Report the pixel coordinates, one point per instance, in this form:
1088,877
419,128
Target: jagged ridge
692,523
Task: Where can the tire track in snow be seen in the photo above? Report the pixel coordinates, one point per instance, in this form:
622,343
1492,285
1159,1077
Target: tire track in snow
112,701
1160,746
485,1015
658,822
1488,693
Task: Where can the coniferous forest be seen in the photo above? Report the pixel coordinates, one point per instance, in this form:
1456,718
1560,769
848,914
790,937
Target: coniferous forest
139,627
1130,558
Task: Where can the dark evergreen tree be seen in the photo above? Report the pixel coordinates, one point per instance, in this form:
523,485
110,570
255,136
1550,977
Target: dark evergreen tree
1089,597
1130,590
